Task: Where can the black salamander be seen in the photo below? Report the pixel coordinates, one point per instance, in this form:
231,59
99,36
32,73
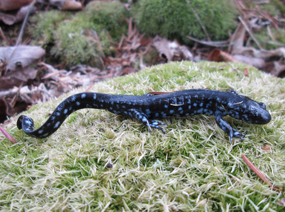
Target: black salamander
146,108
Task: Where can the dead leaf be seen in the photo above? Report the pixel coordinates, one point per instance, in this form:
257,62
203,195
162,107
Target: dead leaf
71,5
23,75
267,148
218,55
171,50
165,47
128,70
16,78
237,39
186,54
12,17
20,56
264,54
256,62
248,29
238,48
279,70
257,23
13,4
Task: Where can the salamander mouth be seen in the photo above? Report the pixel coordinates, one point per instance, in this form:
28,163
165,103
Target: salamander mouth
265,118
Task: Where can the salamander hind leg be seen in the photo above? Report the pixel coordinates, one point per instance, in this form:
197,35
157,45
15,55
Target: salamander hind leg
140,116
227,128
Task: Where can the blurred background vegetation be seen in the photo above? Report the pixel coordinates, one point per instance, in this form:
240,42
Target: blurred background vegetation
85,36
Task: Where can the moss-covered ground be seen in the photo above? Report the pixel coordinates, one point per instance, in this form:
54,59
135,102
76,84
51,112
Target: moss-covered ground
193,167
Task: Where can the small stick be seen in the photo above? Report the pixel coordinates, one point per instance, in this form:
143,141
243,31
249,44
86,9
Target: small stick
165,92
259,174
24,24
10,137
90,86
249,31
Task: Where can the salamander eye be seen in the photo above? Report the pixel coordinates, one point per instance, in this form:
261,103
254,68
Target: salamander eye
262,105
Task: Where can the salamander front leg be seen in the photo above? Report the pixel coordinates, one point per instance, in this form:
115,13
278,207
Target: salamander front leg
227,128
140,116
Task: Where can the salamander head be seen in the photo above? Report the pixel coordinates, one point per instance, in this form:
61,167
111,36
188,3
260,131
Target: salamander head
251,111
258,113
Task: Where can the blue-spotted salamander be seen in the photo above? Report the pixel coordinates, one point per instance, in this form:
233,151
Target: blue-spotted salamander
146,108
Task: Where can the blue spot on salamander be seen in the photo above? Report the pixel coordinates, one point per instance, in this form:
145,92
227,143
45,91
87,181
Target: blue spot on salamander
56,125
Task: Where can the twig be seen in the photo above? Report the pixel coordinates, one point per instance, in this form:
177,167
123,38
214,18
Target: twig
90,86
22,28
165,92
198,18
259,174
211,43
24,24
10,137
249,31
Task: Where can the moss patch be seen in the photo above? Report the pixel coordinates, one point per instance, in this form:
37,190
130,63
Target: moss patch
191,167
44,24
175,19
267,41
82,37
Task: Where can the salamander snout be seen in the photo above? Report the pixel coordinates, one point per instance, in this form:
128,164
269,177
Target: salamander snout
265,117
261,115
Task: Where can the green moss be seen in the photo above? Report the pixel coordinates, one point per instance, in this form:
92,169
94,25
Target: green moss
265,38
274,7
44,24
83,37
192,166
110,16
72,43
174,19
76,39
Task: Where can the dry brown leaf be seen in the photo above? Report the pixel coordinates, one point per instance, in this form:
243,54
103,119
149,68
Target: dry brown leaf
279,69
12,18
266,148
256,62
165,47
237,39
170,50
71,5
186,54
20,56
13,4
218,55
264,54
